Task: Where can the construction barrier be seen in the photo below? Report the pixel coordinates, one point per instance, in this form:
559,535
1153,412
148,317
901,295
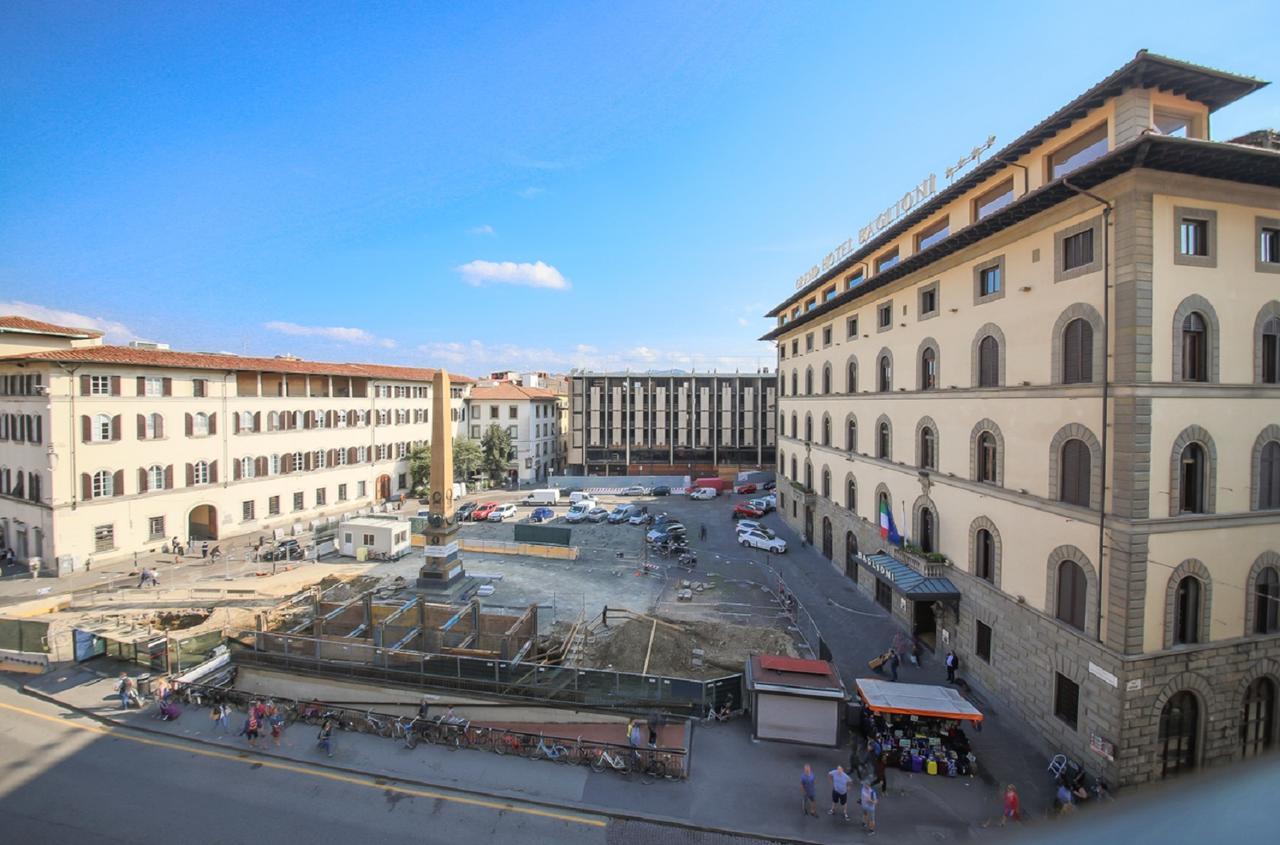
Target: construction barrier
506,547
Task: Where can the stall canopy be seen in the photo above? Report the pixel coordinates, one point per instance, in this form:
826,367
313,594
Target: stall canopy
911,583
927,700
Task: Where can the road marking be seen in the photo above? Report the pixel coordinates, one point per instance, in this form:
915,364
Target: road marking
306,770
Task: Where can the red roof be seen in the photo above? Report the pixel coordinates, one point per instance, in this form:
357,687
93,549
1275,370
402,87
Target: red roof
777,663
13,322
130,356
507,390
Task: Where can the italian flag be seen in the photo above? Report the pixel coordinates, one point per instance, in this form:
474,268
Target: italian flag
886,519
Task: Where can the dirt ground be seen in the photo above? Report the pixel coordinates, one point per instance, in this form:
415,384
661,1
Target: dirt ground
726,647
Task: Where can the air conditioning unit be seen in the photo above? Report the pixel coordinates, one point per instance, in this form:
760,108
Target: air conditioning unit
147,344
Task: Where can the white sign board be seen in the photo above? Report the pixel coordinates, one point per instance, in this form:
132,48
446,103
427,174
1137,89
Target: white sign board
1103,675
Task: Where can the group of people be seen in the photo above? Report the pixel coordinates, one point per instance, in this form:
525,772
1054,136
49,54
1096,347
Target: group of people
263,717
868,795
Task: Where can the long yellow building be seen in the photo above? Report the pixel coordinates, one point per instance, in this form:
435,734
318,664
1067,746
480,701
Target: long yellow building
1059,376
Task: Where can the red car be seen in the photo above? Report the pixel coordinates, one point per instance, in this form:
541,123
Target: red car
481,513
745,510
745,488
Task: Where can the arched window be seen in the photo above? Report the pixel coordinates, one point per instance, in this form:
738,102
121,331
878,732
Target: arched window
988,362
103,484
1179,734
155,477
1070,600
808,428
1269,366
808,381
1074,479
794,476
1195,348
795,425
984,555
988,456
826,429
826,483
928,369
884,374
794,384
101,428
851,377
808,475
851,494
928,531
928,448
1192,468
200,424
273,465
246,467
884,442
1257,723
1077,352
851,435
200,473
826,378
273,421
342,419
1266,601
33,486
246,421
827,544
1186,611
882,504
1269,476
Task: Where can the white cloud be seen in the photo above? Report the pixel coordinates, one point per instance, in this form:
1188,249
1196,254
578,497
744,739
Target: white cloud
112,331
529,192
742,321
341,334
535,275
486,229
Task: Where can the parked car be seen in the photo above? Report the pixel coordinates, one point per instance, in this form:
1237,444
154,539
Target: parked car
641,517
578,496
753,525
633,490
745,488
701,493
577,513
660,490
759,540
746,510
542,515
597,514
662,519
502,512
289,549
768,485
464,511
622,513
764,504
481,512
665,533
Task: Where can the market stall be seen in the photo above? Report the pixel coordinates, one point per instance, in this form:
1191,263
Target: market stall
920,727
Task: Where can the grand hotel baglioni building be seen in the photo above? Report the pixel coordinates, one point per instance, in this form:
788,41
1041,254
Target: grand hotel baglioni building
1061,374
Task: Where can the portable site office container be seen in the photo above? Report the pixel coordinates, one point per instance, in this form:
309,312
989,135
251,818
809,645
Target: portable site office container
390,537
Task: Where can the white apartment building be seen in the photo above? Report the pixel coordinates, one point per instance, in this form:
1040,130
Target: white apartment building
531,415
108,450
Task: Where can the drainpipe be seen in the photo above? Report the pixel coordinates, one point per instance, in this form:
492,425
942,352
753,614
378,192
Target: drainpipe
75,479
1106,378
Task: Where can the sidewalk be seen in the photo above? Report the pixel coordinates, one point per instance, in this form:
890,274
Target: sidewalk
736,785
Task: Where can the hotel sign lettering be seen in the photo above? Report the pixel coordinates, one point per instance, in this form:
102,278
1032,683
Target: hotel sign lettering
880,569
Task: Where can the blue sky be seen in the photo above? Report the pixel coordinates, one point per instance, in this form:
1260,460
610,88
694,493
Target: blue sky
535,185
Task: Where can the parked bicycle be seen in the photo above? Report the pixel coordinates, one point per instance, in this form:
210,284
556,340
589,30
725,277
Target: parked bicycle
555,751
374,725
606,760
406,730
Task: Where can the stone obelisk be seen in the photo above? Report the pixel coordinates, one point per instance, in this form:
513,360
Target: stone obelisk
441,566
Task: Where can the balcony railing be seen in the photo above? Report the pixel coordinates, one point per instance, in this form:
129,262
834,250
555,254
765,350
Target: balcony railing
928,564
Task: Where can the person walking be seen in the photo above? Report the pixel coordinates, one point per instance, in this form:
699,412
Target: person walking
1012,806
252,729
869,799
839,791
810,791
204,549
122,688
34,564
894,663
276,720
702,531
953,663
324,739
881,768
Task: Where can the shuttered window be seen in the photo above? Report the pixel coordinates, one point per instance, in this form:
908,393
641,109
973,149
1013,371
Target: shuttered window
988,362
1194,348
1269,476
1192,471
1075,477
1071,594
1077,352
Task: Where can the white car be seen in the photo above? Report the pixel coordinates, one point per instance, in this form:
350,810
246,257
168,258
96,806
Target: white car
745,525
634,490
578,513
502,512
759,540
703,493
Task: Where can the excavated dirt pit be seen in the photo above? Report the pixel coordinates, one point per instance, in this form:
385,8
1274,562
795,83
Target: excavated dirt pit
725,647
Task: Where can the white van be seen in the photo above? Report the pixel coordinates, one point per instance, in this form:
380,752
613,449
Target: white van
549,496
580,496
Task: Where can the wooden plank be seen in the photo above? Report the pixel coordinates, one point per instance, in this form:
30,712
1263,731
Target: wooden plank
649,651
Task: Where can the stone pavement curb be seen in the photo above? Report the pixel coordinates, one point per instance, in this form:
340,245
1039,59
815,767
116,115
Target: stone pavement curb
496,795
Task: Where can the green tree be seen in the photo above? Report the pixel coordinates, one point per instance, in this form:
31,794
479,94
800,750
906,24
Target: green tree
420,466
467,458
496,444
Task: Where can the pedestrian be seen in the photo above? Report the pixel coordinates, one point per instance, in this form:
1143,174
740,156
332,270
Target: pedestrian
122,687
1012,806
654,721
1064,801
88,564
882,768
143,577
839,791
953,663
894,663
869,799
324,739
424,708
204,549
218,715
276,721
252,727
34,564
702,531
810,791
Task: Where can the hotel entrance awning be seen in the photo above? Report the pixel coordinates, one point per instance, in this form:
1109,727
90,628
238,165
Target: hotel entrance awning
909,582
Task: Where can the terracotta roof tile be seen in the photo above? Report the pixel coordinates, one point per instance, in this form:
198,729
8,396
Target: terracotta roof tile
26,324
507,390
129,356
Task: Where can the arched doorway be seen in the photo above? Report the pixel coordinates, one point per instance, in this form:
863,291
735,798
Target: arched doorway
202,523
1179,734
808,525
851,555
383,488
826,538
